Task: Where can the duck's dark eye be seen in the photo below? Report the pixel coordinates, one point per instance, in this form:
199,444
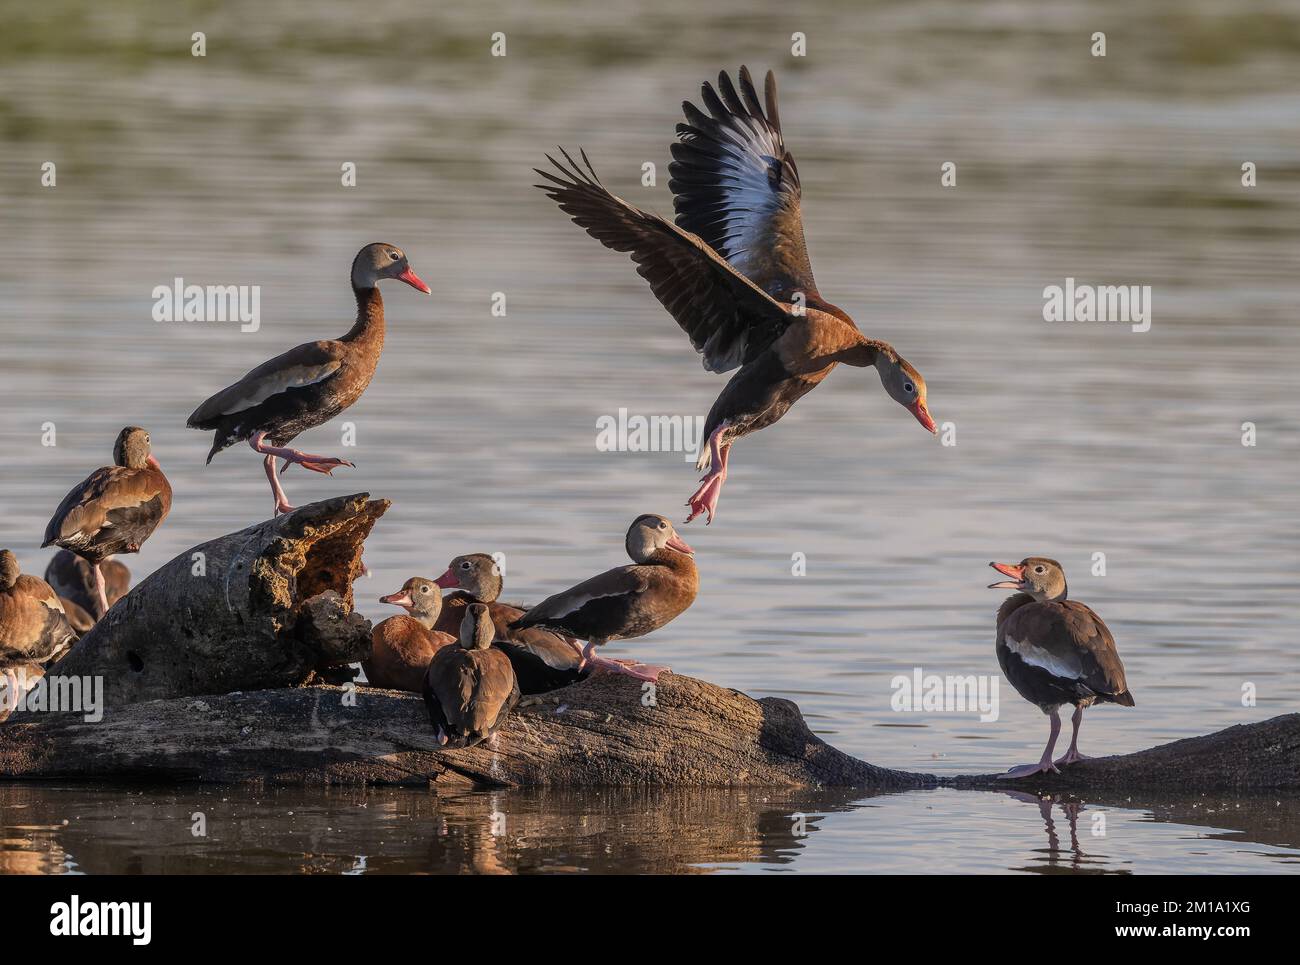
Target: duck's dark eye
424,589
465,565
908,387
394,255
1038,569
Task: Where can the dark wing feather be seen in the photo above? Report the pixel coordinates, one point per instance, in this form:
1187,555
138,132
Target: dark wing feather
736,186
729,319
1071,642
553,611
302,365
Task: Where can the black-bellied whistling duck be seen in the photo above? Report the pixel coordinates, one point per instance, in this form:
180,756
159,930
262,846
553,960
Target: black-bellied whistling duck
1054,651
470,688
310,384
734,271
33,627
543,660
402,646
627,601
114,510
73,580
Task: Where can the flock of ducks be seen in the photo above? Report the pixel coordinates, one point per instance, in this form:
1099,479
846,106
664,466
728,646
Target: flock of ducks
733,271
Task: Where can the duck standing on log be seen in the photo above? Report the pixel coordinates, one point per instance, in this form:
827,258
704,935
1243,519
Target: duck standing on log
543,660
402,646
469,689
1054,651
73,580
734,271
34,630
114,510
627,601
308,385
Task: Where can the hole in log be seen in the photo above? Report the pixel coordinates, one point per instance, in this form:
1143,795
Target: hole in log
333,561
133,658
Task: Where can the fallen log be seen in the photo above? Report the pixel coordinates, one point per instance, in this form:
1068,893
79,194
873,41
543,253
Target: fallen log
268,606
598,732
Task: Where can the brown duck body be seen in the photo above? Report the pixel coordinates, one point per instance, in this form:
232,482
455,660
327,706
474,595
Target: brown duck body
470,692
1059,652
625,602
300,389
33,626
400,650
113,511
74,582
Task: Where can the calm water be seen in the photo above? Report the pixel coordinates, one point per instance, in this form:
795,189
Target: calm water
1071,439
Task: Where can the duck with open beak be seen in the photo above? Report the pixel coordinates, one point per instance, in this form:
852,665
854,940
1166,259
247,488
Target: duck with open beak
1054,651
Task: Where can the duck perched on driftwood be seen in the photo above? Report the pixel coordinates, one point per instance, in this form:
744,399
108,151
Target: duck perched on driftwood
310,384
402,646
470,688
1054,651
34,630
114,510
734,271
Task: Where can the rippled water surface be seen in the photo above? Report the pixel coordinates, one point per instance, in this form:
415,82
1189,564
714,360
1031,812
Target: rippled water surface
1071,439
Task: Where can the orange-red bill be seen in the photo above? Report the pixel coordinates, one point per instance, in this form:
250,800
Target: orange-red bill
675,542
400,598
1016,572
412,279
922,414
448,580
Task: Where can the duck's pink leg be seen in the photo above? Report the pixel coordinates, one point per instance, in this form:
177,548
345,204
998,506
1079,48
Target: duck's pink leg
322,464
705,499
282,504
641,671
100,595
1073,754
1045,763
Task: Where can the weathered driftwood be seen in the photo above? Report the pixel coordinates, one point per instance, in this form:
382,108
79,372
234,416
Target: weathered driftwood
597,732
265,607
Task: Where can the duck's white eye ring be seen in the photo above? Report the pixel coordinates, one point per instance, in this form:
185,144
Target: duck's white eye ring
908,387
424,589
1038,569
464,565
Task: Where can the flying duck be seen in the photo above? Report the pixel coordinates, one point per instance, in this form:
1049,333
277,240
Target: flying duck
73,580
402,646
543,660
470,688
1054,651
33,627
308,385
114,510
734,272
627,601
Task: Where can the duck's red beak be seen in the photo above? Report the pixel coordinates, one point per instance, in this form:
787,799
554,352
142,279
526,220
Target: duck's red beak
400,598
1017,574
922,414
675,542
411,278
448,580
152,460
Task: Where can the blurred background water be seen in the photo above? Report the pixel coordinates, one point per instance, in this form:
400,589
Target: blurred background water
1072,439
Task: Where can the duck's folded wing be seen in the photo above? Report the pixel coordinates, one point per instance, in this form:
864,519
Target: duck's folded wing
1070,642
736,186
302,365
620,581
728,318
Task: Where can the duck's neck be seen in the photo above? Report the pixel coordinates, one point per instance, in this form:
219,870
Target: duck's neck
865,352
672,559
369,327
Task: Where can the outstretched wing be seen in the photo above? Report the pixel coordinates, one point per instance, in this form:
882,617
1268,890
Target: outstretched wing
728,318
736,186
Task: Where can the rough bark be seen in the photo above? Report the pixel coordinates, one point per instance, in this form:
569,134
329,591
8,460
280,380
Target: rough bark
594,733
265,607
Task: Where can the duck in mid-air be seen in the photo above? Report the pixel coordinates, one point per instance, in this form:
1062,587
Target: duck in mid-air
310,384
1055,651
734,271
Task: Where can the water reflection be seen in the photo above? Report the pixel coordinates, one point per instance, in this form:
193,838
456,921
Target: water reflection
382,831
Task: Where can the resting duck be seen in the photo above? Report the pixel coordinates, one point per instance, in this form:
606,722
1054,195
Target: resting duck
310,384
627,601
470,688
1054,651
542,660
114,510
402,646
33,628
734,270
73,580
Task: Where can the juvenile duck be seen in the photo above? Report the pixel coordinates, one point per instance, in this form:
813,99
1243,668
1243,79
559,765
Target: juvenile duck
470,688
543,660
402,646
627,601
1054,651
114,510
310,384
